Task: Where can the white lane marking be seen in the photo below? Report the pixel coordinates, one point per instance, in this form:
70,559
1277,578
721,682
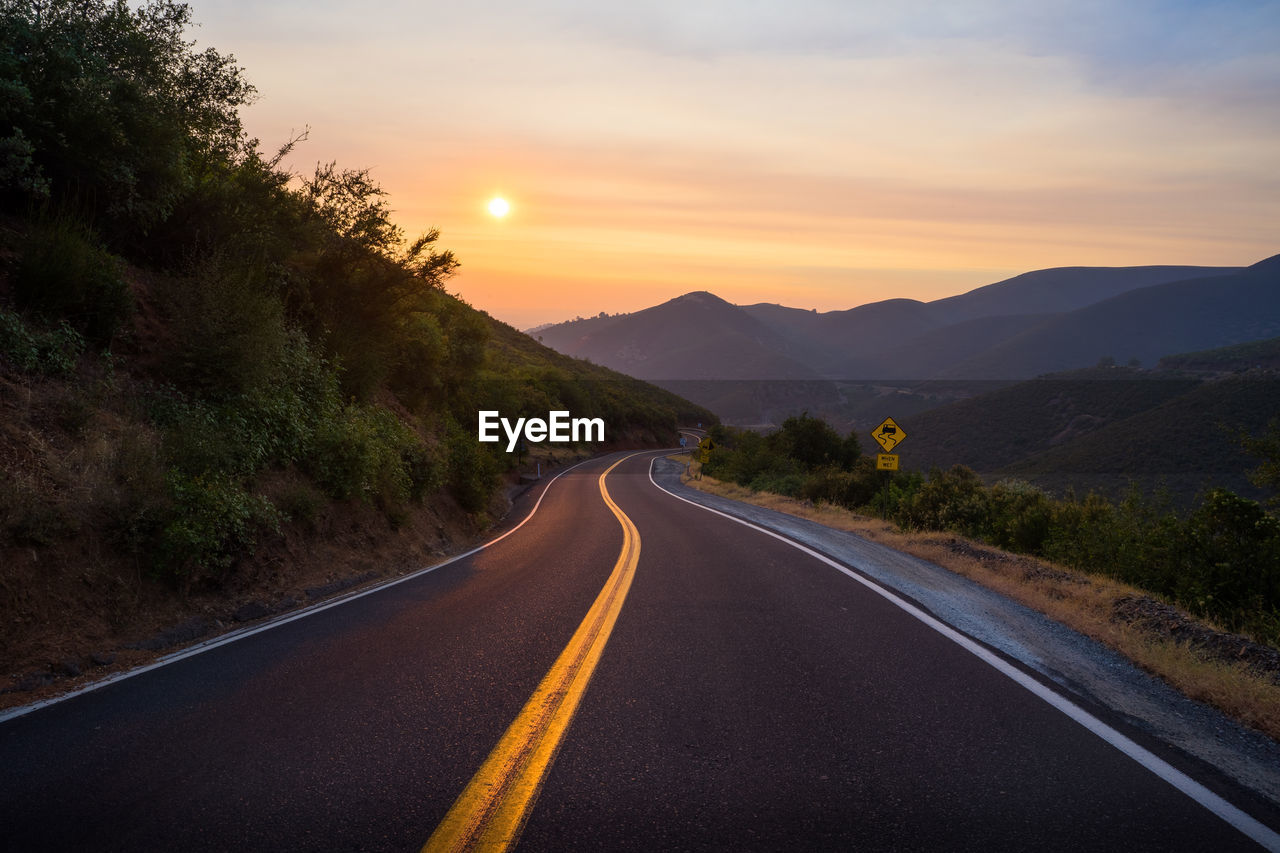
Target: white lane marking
242,633
1254,829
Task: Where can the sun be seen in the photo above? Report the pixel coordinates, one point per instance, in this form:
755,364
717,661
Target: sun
499,207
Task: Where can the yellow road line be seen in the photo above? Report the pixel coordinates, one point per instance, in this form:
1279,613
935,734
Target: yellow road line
492,810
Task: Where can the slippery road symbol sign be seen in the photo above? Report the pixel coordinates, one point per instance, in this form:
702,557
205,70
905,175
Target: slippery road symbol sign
888,435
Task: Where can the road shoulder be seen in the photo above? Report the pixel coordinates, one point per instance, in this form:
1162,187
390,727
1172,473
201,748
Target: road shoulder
1080,667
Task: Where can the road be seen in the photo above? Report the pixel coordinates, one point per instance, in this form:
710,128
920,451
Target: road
732,693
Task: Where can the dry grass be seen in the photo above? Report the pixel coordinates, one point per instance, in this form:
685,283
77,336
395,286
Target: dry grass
1080,601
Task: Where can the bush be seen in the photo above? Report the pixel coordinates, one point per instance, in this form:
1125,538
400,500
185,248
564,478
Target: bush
1020,517
1231,556
54,352
230,330
65,275
472,473
367,453
951,500
214,519
1084,534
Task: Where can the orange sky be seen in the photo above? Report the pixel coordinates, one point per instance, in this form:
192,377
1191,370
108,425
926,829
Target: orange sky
814,153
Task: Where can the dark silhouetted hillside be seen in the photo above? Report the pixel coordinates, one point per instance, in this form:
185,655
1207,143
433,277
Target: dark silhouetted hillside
979,334
1145,324
695,336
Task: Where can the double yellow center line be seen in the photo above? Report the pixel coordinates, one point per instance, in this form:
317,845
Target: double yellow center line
496,803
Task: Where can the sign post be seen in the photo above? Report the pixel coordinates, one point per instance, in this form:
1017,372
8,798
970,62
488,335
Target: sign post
888,435
706,446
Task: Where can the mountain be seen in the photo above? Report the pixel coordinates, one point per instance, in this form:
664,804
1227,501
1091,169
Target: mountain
1062,290
1144,324
695,336
700,336
839,364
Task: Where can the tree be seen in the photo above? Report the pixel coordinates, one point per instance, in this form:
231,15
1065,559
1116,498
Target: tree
813,443
106,109
1267,448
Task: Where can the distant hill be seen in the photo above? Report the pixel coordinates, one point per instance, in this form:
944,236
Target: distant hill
1235,359
1068,314
1177,427
1185,445
695,336
1003,427
1144,324
1040,322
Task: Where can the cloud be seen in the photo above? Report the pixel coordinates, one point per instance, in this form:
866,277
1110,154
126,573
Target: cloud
788,142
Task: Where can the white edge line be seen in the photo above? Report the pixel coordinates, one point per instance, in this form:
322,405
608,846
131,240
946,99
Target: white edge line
1253,828
242,633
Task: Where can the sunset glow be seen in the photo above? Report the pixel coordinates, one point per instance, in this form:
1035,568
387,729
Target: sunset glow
819,155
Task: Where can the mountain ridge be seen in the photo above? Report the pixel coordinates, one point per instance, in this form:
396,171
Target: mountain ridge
983,333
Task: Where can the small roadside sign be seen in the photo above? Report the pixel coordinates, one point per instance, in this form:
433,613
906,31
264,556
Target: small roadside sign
886,462
888,435
706,446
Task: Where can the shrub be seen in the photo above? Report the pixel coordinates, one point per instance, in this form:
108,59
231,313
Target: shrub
1231,556
65,275
214,519
1020,516
950,500
368,453
813,443
1084,533
230,330
472,470
53,352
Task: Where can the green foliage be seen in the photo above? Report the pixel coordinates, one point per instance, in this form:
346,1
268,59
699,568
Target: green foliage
106,106
214,519
1266,447
289,326
65,275
1220,560
951,500
1231,558
804,457
230,330
367,453
52,352
853,488
813,444
472,470
1019,517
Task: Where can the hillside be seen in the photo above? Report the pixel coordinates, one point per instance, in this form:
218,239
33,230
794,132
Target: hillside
226,389
1256,355
695,336
700,336
1000,428
831,363
1104,428
1186,444
1144,324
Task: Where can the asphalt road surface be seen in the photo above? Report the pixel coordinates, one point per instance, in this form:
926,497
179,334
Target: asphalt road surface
742,695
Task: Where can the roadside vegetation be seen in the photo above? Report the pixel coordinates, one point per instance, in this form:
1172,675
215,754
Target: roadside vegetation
1199,658
1219,559
200,349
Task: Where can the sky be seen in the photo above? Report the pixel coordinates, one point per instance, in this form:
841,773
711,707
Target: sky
813,153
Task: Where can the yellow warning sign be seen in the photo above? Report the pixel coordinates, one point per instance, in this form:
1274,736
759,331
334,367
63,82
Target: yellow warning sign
886,462
888,435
